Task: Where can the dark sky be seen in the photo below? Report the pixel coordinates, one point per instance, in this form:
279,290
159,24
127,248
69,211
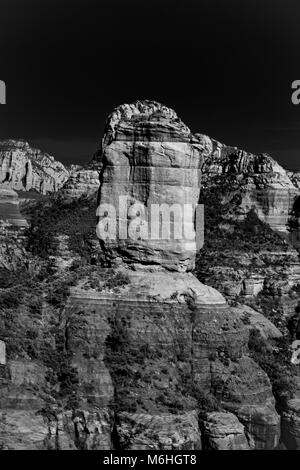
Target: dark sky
226,67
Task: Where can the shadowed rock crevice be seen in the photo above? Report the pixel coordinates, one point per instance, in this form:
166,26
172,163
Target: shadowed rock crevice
141,354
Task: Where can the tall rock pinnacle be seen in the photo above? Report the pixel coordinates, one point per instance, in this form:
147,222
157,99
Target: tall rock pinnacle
152,161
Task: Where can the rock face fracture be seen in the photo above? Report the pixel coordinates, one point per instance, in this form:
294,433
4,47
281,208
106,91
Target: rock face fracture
150,156
138,354
25,168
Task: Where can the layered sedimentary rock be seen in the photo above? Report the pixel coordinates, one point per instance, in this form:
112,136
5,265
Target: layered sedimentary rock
291,424
130,359
83,181
260,181
248,273
9,208
223,431
165,431
151,157
25,168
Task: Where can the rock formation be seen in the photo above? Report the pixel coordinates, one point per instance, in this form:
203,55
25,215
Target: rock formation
294,177
223,431
140,354
25,168
9,208
259,180
151,157
82,181
291,424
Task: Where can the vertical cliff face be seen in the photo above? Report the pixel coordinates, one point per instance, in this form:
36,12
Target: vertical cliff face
259,180
83,181
150,157
25,168
141,354
9,208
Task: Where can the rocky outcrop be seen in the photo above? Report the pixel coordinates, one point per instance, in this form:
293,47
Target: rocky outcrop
259,180
83,181
165,431
150,157
12,251
290,423
294,177
134,353
248,273
223,431
9,208
257,321
25,168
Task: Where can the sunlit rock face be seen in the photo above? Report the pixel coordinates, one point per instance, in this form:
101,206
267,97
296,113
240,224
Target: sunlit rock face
146,347
9,208
81,182
223,431
261,182
25,168
151,158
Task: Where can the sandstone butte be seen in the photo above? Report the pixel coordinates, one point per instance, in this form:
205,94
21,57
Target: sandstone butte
148,352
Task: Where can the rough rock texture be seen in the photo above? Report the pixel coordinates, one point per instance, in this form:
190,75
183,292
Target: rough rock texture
263,184
294,177
12,251
223,431
150,156
83,181
257,321
26,168
290,424
249,273
132,354
22,430
166,431
9,208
